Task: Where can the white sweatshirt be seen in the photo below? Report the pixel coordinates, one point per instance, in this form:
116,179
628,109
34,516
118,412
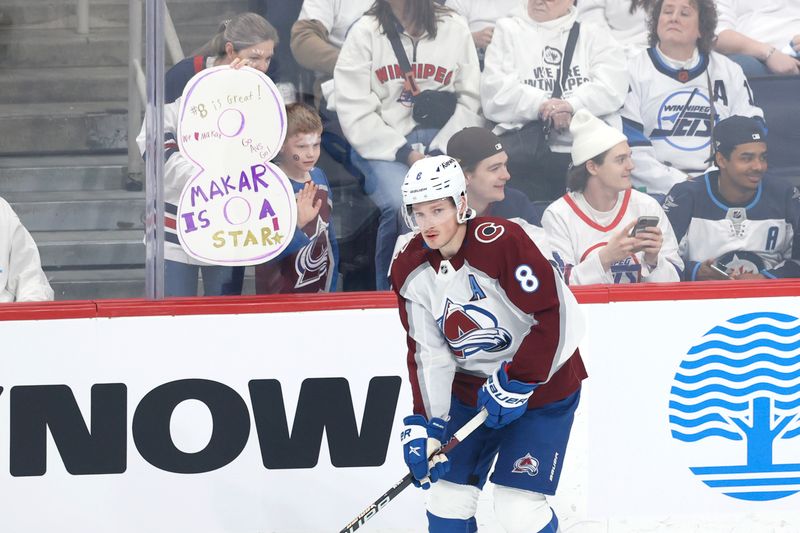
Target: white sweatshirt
375,110
774,22
483,13
522,65
21,275
629,29
336,15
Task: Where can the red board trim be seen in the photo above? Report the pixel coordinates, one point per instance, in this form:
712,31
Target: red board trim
298,303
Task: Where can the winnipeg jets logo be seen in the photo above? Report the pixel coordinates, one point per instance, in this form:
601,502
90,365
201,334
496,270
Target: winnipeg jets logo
311,263
527,464
551,56
470,329
669,203
742,262
684,121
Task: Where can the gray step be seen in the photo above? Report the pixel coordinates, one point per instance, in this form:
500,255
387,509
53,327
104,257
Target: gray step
97,284
71,84
70,249
110,13
63,127
62,173
79,211
104,284
108,47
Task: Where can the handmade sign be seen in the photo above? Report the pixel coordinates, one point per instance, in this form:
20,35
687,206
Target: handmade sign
239,209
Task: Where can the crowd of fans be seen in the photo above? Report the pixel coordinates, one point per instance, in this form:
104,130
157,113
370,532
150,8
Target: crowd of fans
509,88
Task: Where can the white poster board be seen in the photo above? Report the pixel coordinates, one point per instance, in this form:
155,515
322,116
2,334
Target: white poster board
239,209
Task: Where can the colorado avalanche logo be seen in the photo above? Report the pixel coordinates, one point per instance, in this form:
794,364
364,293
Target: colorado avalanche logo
741,262
470,329
527,464
311,263
684,121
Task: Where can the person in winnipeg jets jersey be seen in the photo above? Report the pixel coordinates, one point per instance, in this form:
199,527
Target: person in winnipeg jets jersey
376,101
590,227
733,218
669,111
491,325
519,86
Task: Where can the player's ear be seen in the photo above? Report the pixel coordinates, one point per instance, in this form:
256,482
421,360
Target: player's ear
720,160
591,167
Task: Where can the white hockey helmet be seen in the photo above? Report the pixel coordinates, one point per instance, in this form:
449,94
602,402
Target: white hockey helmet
434,178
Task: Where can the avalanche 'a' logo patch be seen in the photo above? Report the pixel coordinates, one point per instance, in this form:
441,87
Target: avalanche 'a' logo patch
527,464
470,329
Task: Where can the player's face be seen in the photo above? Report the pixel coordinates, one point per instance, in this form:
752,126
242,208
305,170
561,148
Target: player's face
678,22
615,172
300,153
437,221
544,10
258,56
746,167
487,183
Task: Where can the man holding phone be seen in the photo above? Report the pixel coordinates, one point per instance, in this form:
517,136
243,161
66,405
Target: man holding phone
602,230
732,223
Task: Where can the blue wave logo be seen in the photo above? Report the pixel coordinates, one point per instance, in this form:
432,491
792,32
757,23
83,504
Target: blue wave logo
740,386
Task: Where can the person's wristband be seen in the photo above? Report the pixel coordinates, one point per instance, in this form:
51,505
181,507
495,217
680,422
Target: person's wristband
772,50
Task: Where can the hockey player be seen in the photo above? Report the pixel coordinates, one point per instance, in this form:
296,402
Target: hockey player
732,223
591,228
670,110
490,324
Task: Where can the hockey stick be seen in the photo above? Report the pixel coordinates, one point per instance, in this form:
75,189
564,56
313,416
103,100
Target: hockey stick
398,487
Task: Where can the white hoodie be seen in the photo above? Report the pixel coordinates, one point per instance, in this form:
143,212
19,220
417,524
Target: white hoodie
375,111
21,275
522,64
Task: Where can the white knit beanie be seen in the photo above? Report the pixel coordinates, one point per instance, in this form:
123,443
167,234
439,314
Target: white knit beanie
591,137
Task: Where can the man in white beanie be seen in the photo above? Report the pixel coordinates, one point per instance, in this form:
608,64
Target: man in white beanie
602,230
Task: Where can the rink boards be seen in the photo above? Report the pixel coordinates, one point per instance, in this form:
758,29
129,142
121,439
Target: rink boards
281,414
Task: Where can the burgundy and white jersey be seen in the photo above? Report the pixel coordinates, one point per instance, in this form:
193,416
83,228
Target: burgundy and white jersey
498,299
577,233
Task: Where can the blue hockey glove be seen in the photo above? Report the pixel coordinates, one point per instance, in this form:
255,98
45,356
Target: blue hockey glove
420,438
504,399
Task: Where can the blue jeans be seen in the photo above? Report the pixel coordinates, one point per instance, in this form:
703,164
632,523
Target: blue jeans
180,279
382,181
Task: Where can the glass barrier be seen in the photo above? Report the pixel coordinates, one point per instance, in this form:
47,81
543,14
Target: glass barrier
74,89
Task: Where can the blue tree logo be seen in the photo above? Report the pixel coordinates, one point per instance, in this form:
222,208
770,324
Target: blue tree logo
742,383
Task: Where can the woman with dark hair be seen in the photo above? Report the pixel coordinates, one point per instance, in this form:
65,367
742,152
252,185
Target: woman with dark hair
247,39
393,118
625,19
603,231
679,89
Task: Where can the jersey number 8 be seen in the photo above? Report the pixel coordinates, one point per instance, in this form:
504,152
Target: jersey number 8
527,279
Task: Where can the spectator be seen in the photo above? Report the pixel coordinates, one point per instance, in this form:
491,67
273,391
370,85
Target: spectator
762,37
733,219
522,70
485,164
312,267
625,19
246,39
392,120
319,33
668,114
591,228
21,275
481,17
